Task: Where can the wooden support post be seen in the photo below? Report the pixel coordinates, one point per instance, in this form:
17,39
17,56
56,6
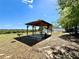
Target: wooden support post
32,30
35,29
27,30
41,29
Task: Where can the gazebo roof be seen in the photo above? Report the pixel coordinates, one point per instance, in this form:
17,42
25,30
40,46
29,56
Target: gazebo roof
39,23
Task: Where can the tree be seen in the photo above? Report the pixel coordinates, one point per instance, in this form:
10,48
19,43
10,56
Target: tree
69,11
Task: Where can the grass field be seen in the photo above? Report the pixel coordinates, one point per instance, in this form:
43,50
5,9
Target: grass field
9,46
13,49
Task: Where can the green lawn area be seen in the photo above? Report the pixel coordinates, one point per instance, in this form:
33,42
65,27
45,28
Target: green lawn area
10,48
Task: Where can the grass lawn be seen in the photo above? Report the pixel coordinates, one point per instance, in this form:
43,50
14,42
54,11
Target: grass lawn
13,49
9,47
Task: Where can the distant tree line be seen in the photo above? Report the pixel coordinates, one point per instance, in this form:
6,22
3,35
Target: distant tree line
9,31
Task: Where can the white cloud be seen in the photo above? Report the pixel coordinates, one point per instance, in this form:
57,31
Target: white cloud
31,6
28,2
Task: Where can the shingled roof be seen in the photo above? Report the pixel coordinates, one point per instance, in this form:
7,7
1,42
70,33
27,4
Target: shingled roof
39,23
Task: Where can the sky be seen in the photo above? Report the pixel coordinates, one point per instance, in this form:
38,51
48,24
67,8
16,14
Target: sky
15,13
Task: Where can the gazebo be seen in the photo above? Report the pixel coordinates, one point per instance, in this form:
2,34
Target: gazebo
41,24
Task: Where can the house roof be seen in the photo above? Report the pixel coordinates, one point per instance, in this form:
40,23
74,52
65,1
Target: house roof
39,23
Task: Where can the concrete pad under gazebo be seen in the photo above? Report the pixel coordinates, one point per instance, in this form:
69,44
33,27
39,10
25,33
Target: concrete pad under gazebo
42,25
